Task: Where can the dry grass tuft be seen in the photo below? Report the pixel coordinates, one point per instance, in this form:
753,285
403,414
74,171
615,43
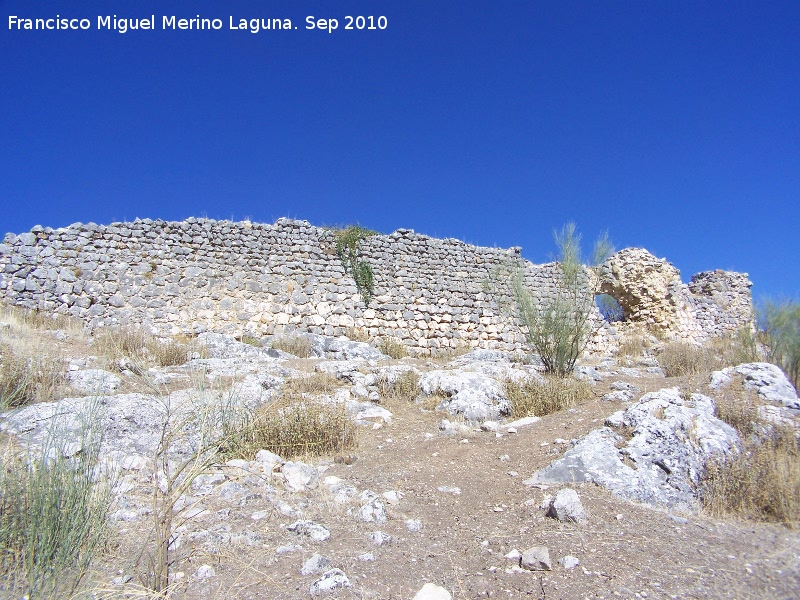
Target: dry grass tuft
762,482
432,401
530,398
739,409
292,426
293,344
27,377
633,345
392,348
357,334
142,347
445,355
313,383
36,319
681,358
735,349
403,389
251,341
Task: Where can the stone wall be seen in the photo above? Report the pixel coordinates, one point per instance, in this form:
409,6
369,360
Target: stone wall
651,293
242,277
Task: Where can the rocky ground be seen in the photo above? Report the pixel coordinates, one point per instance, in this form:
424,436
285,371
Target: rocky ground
596,501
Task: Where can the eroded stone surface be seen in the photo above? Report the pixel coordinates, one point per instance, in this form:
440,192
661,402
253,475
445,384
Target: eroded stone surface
766,379
672,438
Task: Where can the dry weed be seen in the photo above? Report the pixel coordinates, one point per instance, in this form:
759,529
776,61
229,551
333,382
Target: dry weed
392,348
445,355
739,409
762,482
292,426
403,388
633,345
735,349
530,398
295,345
313,383
432,401
28,376
357,334
142,347
37,319
681,358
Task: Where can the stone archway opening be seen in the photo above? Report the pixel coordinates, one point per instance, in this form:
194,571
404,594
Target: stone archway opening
609,308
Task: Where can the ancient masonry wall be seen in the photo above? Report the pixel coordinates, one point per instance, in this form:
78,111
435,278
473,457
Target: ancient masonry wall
242,277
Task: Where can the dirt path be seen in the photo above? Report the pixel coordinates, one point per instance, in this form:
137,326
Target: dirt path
625,550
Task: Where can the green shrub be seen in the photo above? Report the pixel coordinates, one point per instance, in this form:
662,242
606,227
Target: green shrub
779,324
251,341
348,241
52,516
532,398
557,327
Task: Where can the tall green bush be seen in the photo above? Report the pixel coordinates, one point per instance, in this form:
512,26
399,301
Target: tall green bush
557,327
779,324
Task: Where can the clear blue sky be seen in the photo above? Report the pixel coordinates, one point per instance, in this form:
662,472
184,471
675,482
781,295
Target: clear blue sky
674,124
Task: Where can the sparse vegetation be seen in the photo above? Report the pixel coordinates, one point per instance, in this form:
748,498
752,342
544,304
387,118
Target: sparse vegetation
170,352
296,345
357,334
445,355
52,515
736,348
172,478
682,358
348,241
739,409
38,319
251,341
633,345
291,426
29,375
558,327
313,383
403,388
762,481
531,398
392,348
779,325
142,348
